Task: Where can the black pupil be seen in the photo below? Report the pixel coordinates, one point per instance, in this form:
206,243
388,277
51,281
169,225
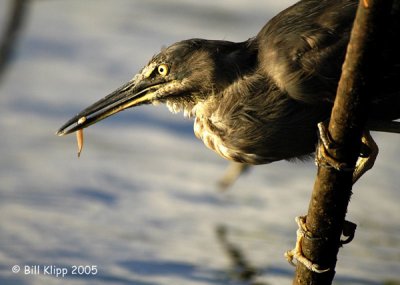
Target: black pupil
161,69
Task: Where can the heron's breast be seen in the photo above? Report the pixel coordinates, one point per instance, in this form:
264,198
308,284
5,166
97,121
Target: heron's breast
212,137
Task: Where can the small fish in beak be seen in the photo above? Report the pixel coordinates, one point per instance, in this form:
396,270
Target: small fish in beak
79,136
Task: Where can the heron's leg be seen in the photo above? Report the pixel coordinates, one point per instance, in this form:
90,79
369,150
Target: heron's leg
297,252
234,170
366,160
384,126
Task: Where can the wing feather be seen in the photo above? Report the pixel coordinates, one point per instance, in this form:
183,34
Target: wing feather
303,47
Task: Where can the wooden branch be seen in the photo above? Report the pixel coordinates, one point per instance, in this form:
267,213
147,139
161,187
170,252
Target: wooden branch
332,188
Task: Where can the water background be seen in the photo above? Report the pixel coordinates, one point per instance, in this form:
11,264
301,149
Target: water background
141,203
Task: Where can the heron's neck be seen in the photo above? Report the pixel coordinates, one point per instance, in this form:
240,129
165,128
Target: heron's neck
232,61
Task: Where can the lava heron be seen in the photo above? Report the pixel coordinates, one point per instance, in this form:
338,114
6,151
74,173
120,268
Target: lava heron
260,100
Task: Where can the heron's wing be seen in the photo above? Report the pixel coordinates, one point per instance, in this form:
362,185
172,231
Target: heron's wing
302,48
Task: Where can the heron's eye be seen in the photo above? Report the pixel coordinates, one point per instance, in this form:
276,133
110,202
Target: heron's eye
163,69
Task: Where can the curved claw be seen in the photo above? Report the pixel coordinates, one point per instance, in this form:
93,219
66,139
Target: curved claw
349,230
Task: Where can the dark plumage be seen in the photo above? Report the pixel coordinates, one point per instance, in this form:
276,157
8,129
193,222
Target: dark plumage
260,100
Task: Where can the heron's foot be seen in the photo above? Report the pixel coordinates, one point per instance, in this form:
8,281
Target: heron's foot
326,146
297,252
369,152
367,157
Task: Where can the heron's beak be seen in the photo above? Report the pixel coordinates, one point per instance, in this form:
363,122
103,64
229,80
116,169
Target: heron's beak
140,90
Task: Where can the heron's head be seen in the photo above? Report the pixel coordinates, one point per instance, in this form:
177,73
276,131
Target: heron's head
181,75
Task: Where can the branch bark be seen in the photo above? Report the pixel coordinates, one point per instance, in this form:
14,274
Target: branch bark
332,188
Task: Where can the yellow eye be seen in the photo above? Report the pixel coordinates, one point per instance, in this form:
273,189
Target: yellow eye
163,69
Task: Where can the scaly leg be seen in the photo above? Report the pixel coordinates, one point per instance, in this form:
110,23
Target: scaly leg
232,173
